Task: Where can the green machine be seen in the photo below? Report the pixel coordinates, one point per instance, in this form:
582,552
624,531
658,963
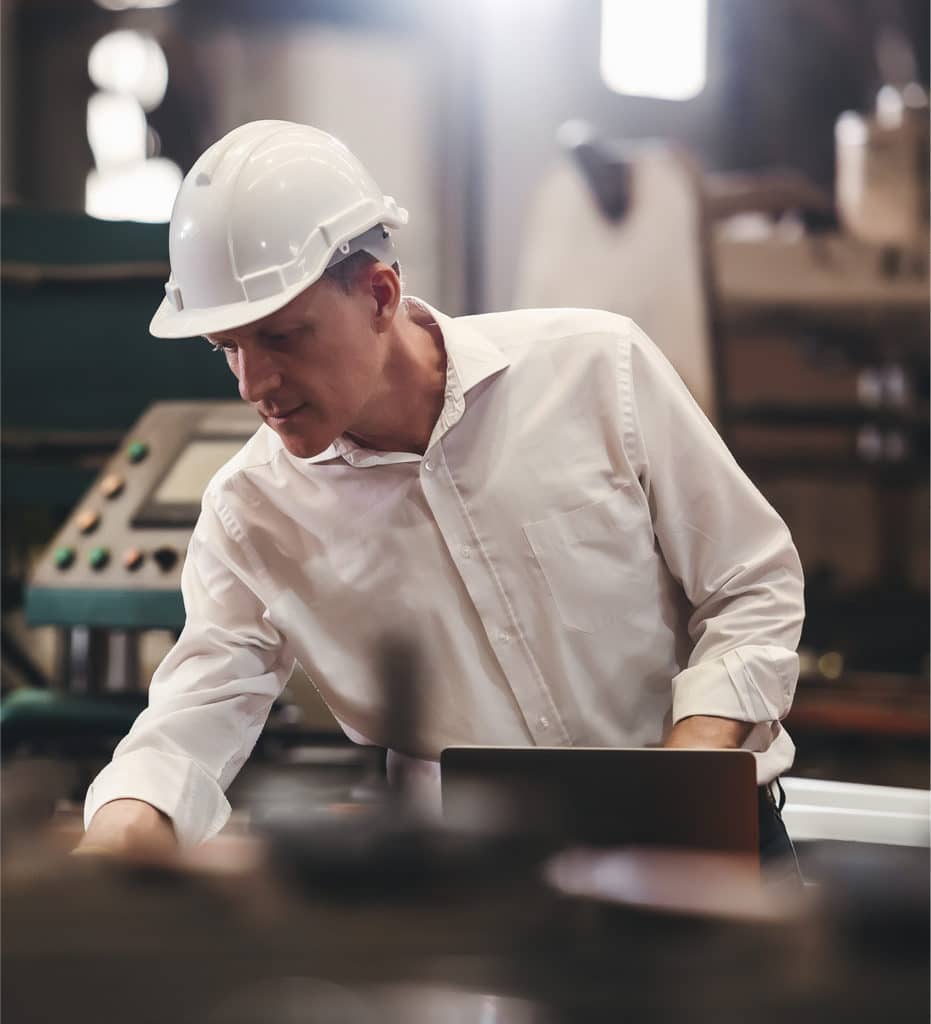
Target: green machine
113,571
79,370
79,366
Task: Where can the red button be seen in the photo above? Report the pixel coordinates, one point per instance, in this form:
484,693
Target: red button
87,521
133,558
112,485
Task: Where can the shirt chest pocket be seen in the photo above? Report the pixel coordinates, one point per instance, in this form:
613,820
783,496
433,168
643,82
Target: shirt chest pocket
595,559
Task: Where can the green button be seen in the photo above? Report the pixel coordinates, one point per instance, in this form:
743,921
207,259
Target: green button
137,451
98,557
64,557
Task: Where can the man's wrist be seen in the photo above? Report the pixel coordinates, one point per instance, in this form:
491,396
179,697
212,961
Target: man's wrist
708,731
128,826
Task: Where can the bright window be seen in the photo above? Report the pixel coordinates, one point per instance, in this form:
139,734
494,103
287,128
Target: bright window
654,48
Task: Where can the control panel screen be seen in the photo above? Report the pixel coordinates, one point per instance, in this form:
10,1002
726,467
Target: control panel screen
175,501
185,482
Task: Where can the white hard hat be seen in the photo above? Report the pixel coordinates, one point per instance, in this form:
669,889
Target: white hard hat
259,218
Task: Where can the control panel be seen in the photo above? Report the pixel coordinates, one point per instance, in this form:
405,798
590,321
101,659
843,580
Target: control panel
117,560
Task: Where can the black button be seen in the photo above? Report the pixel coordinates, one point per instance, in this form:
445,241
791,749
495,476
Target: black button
165,558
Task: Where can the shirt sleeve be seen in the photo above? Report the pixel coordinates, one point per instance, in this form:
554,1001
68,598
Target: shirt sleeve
209,698
724,543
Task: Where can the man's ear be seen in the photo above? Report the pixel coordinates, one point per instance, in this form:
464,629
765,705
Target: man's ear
385,288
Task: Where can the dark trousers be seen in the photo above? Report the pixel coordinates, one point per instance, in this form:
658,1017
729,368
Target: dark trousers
777,854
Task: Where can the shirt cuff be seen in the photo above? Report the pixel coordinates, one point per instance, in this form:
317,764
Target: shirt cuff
747,684
724,688
174,785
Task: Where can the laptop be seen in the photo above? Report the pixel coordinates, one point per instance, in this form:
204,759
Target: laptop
609,797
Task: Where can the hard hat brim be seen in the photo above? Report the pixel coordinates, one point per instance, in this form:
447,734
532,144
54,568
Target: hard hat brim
169,322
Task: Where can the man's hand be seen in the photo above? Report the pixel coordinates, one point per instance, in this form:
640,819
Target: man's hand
708,731
130,828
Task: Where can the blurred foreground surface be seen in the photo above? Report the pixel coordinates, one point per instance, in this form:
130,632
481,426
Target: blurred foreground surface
366,912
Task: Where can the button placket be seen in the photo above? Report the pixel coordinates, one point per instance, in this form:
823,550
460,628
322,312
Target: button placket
454,522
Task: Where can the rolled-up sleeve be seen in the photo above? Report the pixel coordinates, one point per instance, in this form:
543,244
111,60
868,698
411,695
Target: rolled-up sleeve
729,549
209,698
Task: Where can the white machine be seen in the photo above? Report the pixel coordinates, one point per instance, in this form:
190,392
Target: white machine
820,809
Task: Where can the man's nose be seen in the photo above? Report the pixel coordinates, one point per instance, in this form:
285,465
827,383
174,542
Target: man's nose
258,375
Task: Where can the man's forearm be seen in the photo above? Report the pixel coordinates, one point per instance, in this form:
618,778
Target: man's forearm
708,731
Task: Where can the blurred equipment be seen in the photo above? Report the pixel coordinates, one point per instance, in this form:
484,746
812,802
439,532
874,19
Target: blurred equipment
372,915
116,563
113,571
620,227
820,809
114,567
365,911
882,165
882,158
77,295
683,799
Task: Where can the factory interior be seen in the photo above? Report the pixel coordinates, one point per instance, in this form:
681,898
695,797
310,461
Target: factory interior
748,181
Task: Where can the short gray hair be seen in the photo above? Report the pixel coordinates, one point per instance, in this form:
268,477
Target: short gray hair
344,273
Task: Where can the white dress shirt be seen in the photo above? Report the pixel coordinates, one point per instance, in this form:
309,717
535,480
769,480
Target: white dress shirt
577,555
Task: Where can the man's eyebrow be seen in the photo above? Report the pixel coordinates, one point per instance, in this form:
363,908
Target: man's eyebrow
279,332
266,332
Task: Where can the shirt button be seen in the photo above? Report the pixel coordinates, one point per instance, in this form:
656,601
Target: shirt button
505,638
428,465
543,722
465,551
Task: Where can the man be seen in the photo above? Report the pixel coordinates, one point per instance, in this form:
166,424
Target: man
534,494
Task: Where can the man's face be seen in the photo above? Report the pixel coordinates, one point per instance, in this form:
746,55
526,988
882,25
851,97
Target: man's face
309,368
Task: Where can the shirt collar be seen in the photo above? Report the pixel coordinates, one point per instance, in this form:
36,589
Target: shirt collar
474,357
471,358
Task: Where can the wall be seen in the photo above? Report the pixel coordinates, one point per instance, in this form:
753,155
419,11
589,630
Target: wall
370,92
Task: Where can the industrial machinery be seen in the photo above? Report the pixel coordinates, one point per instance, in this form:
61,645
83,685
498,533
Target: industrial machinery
116,562
111,574
79,368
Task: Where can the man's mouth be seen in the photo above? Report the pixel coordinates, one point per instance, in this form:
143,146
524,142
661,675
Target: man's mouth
278,418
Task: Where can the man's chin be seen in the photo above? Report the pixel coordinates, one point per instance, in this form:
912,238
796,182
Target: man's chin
302,447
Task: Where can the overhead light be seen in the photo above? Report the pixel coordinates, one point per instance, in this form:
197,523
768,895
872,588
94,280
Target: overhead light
116,129
145,191
125,185
130,63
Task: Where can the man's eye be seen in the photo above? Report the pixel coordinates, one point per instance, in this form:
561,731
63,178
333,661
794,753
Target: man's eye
221,347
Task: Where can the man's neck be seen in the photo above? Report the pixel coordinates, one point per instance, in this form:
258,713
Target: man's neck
403,415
